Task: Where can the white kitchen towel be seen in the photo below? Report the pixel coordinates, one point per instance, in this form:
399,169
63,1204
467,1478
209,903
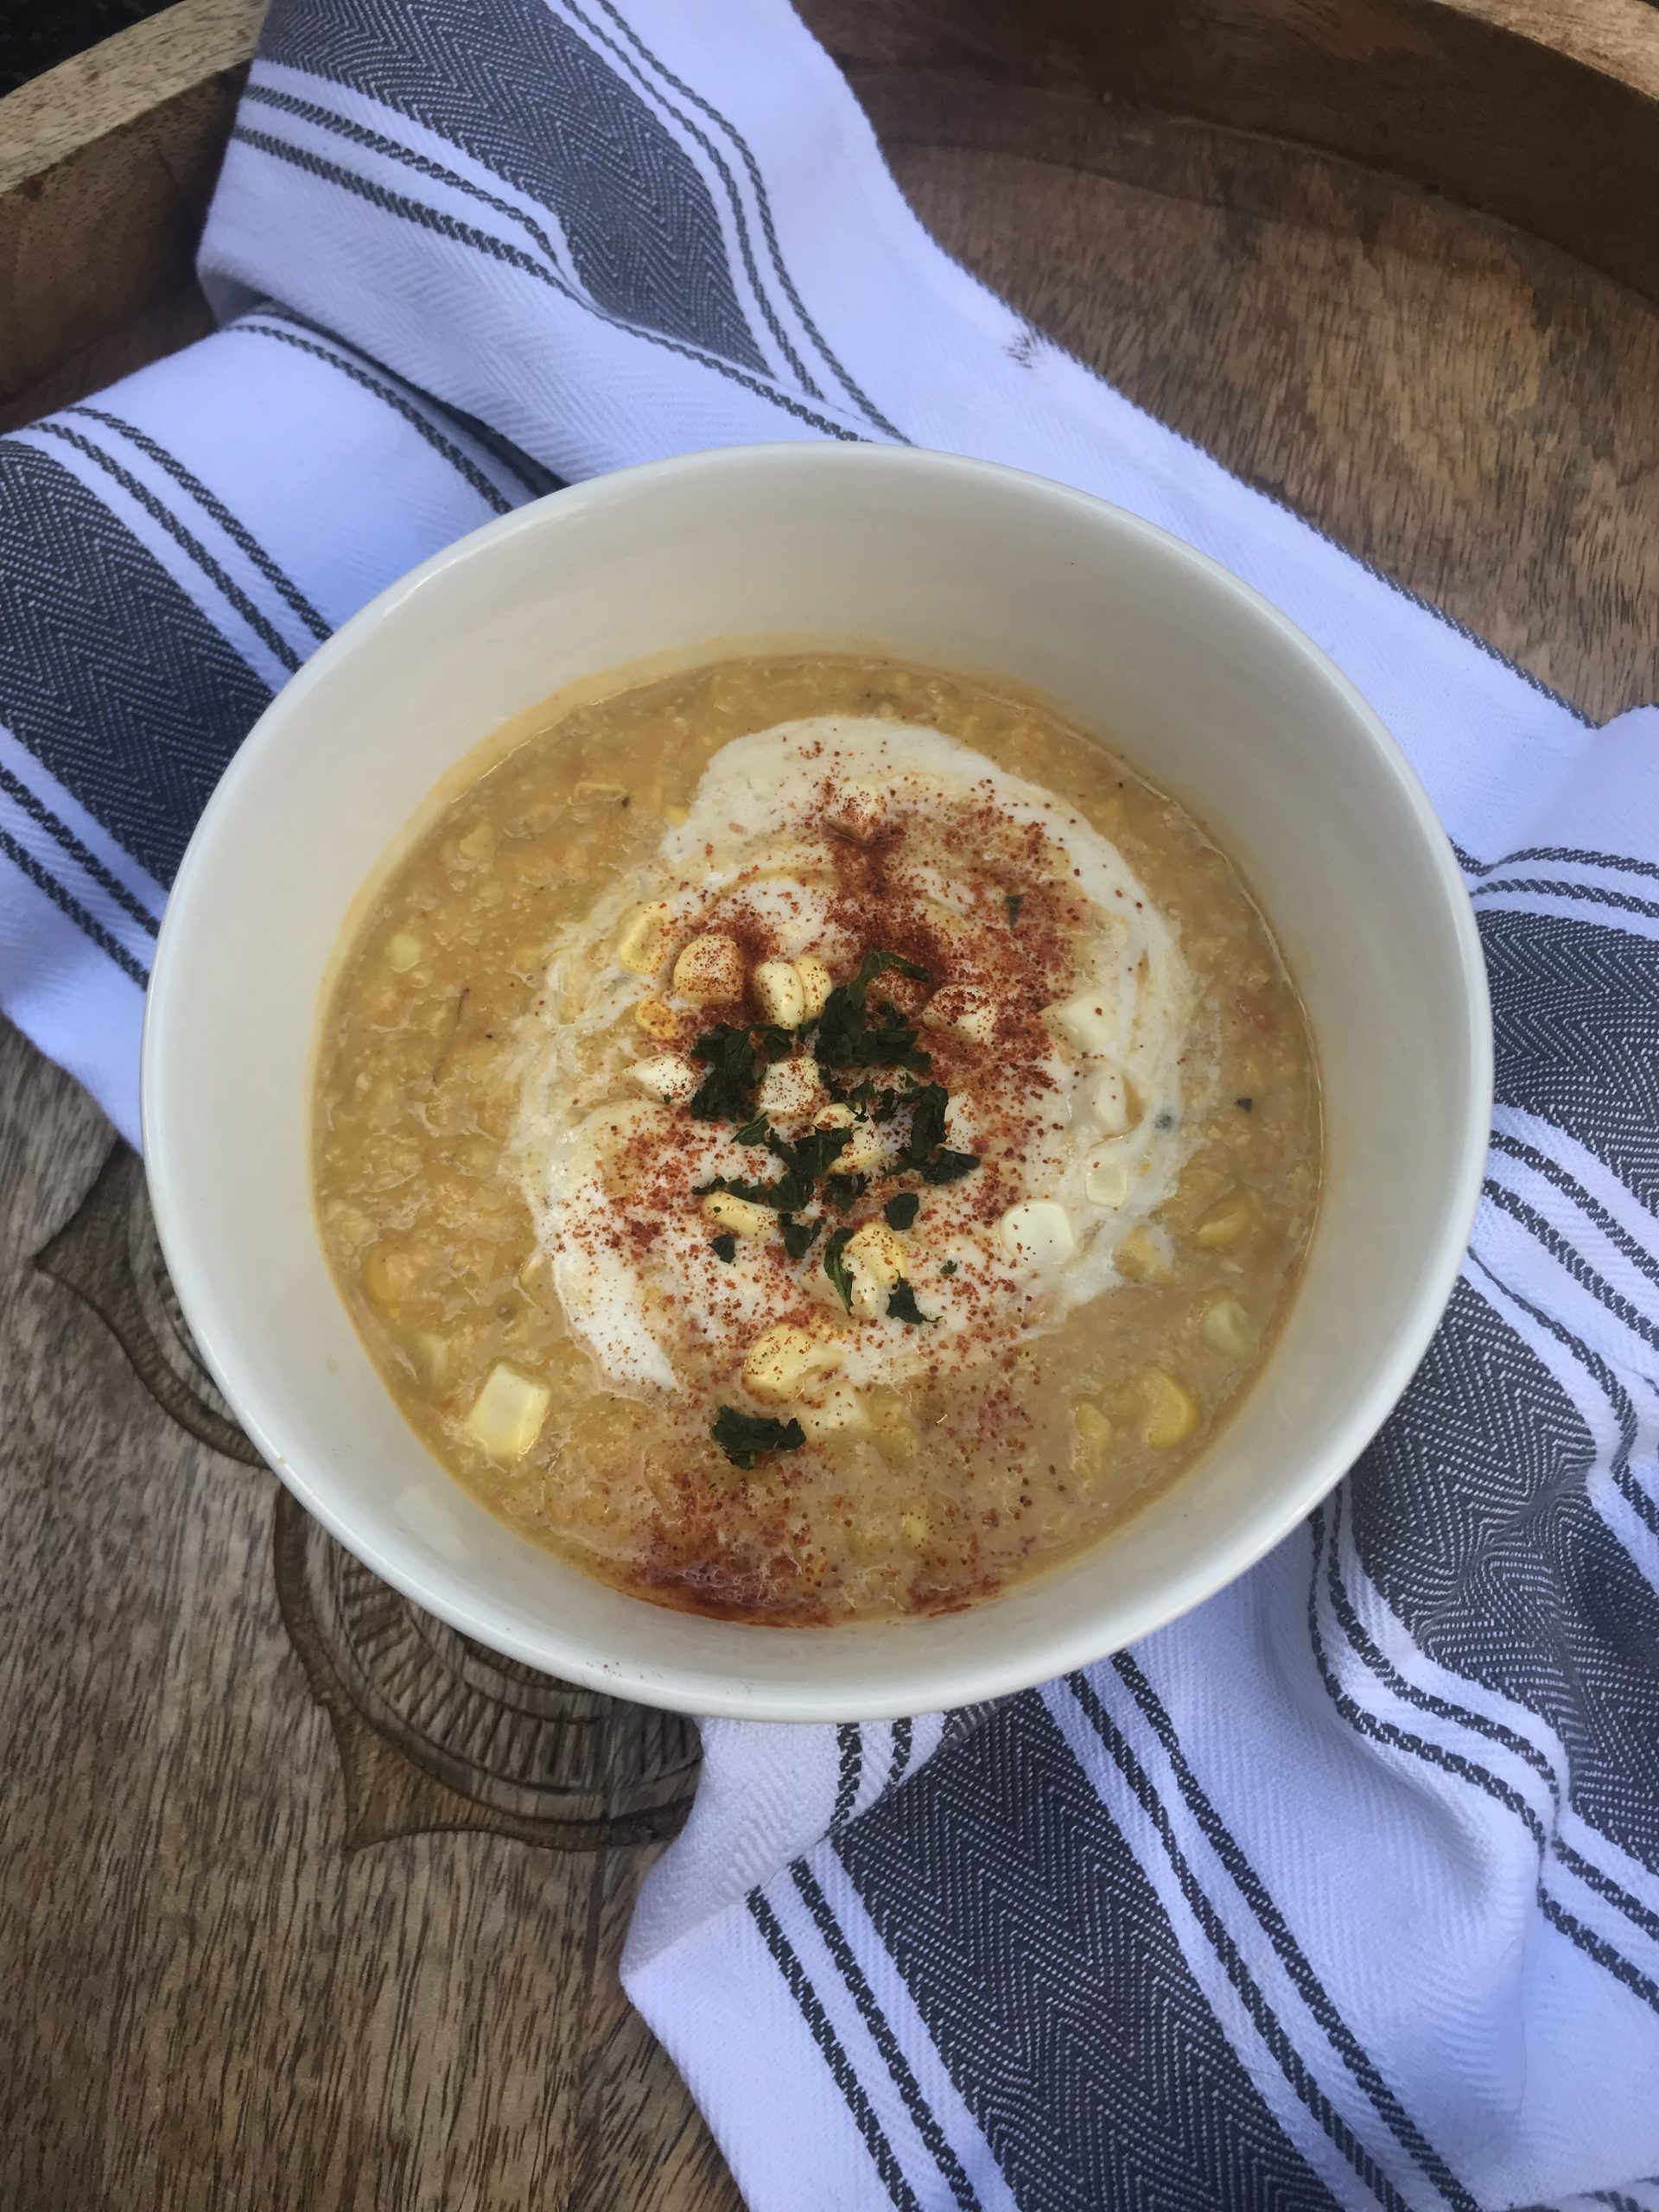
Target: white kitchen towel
1345,1890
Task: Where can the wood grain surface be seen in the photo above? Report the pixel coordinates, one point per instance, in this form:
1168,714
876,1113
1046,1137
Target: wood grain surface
105,166
259,1948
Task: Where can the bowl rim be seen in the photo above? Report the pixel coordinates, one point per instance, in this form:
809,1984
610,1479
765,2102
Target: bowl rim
725,1692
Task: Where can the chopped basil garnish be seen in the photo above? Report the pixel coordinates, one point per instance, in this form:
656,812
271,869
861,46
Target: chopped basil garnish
847,1036
754,1132
902,1211
726,1092
1014,902
844,1192
1244,1105
902,1306
948,1167
803,1163
949,1269
816,1153
743,1437
777,1044
927,1106
757,1194
799,1236
836,1267
725,1247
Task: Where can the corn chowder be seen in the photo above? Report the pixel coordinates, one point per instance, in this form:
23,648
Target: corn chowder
814,1138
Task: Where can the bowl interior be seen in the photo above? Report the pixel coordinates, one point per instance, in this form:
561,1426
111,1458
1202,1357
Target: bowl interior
938,561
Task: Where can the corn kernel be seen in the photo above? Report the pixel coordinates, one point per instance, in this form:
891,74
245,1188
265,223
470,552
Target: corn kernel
1141,1258
779,994
1170,1410
507,1415
710,971
742,1216
645,942
783,1359
1226,1327
880,1251
1229,1221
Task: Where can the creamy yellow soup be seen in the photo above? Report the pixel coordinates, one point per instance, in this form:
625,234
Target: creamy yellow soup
814,1138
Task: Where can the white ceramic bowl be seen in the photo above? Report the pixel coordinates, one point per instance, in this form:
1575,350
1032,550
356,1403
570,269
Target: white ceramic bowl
938,560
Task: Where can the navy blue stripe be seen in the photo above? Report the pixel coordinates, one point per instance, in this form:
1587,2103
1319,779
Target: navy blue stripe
88,925
849,1750
464,466
881,2035
867,406
1479,1724
185,539
1553,1172
900,1755
1646,1508
1577,1266
81,854
1594,894
1297,1964
735,200
1574,854
1454,1763
526,98
1268,2023
460,233
1055,1989
1639,1984
1495,1731
1473,1518
111,673
833,2052
234,528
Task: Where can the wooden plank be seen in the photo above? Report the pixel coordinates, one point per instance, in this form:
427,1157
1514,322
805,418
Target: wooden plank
106,163
1463,405
1545,112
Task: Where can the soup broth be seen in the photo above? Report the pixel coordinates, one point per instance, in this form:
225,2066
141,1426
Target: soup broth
814,1138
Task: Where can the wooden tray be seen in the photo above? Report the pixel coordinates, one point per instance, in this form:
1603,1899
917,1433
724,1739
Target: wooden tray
305,1904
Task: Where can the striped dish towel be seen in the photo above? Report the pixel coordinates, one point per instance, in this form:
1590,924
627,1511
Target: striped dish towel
1343,1890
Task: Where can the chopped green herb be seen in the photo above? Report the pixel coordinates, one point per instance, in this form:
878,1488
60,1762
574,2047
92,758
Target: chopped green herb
1244,1105
901,1210
777,1044
949,1269
754,1132
927,1105
726,1092
887,1103
725,1247
1014,902
799,1236
757,1194
902,1306
803,1163
847,1036
836,1267
948,1167
743,1437
816,1153
844,1192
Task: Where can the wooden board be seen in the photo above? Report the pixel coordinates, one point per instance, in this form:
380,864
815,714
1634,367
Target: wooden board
305,1905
